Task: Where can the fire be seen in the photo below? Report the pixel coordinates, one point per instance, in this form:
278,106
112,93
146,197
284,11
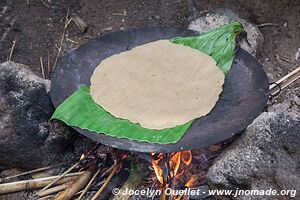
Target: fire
174,163
177,163
191,182
82,157
158,171
187,157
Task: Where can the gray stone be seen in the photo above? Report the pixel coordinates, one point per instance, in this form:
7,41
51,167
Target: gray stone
213,19
266,156
27,138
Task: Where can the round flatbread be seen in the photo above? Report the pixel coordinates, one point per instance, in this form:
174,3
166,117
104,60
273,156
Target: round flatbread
158,85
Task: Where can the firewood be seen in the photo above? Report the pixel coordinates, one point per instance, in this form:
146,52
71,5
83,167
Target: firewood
95,197
30,172
60,177
35,183
53,190
89,184
163,193
77,185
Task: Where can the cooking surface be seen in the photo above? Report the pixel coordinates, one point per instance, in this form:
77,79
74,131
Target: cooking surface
244,95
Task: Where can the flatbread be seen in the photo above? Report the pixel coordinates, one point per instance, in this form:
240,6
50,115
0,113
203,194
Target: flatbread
158,85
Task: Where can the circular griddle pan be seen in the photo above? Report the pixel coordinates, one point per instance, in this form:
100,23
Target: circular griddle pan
244,95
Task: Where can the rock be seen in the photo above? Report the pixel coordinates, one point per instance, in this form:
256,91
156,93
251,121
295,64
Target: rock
28,195
267,156
10,172
83,144
213,19
27,138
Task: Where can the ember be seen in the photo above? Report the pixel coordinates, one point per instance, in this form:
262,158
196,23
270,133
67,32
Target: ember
82,157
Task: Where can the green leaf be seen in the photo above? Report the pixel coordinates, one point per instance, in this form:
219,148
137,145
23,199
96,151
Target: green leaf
80,110
219,43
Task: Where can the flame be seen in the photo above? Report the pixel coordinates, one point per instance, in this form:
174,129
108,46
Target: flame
191,182
174,163
177,163
82,157
187,157
158,171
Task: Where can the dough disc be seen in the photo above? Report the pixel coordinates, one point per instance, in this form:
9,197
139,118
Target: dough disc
158,85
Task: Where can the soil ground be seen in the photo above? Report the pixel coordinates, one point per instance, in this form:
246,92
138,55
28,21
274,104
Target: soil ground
36,26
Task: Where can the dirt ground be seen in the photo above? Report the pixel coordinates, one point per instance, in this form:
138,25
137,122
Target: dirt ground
36,26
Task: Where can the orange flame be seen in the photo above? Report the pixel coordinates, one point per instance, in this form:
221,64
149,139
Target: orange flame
174,163
158,171
178,162
82,157
187,157
191,182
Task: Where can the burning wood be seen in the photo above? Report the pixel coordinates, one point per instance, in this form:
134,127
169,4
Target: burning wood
173,164
77,185
59,177
90,183
114,169
94,166
173,171
191,182
53,190
184,170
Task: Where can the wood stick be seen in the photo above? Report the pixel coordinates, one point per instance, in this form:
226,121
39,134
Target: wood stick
30,172
163,193
81,25
59,177
53,190
35,183
42,67
77,185
285,81
89,184
48,64
67,22
12,50
105,170
45,3
266,24
95,197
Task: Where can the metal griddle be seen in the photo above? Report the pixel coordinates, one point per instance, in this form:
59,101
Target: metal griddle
244,95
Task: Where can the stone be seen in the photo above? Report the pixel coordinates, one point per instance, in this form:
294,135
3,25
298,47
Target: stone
216,18
27,138
10,172
266,156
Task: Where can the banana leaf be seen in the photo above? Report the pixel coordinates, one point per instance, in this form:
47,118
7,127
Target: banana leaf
79,110
219,43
